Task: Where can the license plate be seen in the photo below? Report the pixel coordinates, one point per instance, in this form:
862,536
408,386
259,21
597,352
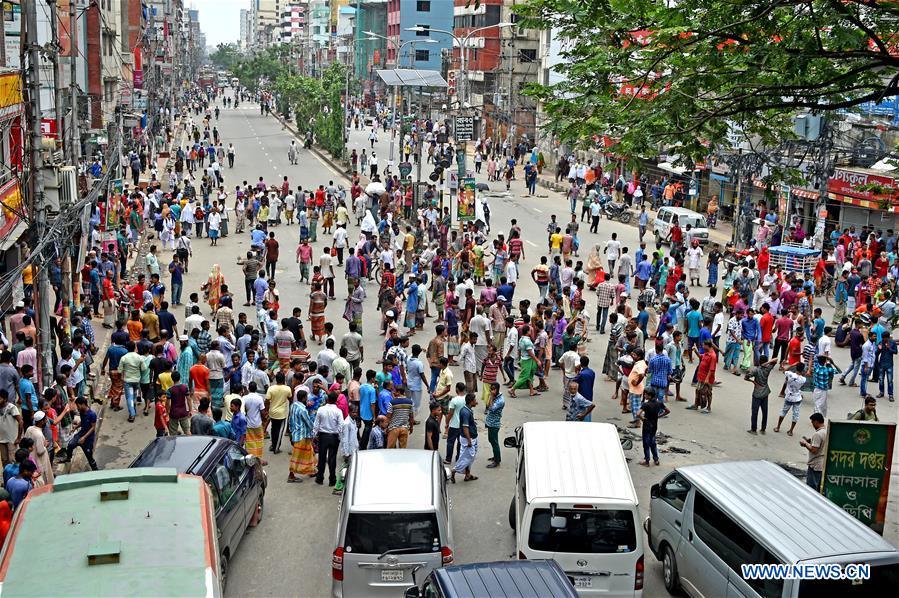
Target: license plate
394,575
583,582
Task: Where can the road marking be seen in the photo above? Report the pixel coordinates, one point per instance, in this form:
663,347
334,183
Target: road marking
529,243
538,210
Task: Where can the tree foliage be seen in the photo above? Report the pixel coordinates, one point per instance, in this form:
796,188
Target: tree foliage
656,73
225,56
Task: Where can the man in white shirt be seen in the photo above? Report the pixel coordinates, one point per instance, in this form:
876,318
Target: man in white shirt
694,259
480,325
194,321
327,425
253,404
613,248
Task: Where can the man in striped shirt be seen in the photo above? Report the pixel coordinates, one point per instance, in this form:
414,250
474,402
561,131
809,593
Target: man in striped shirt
401,418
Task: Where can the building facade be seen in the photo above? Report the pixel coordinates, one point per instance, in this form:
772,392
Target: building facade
428,14
293,23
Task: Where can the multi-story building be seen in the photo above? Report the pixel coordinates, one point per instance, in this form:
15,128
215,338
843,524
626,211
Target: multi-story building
247,29
500,61
293,23
343,39
427,14
267,26
370,52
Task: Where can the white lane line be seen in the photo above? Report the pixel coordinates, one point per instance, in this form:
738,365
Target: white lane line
538,210
529,243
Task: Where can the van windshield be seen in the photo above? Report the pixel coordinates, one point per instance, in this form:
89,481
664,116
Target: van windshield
586,531
694,221
376,533
883,582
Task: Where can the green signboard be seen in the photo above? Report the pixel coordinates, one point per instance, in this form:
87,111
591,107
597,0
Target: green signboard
857,469
467,197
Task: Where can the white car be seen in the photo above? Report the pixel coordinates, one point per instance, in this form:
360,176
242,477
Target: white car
661,226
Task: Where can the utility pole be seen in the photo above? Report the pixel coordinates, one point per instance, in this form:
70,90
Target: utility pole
38,206
75,156
57,78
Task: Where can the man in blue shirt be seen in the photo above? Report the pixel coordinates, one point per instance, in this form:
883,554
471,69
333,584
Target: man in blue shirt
385,396
752,333
85,435
585,379
19,486
643,272
367,399
658,371
27,394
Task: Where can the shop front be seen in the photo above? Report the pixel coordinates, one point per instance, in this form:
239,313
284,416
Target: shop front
863,197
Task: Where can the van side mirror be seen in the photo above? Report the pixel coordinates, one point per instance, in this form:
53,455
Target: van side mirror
654,491
510,442
412,592
250,461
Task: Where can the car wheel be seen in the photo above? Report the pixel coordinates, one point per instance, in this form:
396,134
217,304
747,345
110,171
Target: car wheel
223,570
260,508
512,514
669,571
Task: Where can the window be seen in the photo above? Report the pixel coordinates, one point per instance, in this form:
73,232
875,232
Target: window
424,32
527,55
731,543
376,533
422,55
599,531
674,491
423,6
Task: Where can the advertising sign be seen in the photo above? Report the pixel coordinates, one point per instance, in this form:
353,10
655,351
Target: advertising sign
467,197
856,473
463,130
847,182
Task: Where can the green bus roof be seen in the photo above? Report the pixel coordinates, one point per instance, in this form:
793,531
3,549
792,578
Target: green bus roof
136,532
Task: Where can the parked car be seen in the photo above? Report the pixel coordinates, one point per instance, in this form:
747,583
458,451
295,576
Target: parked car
574,502
661,225
706,521
500,579
393,523
115,532
235,479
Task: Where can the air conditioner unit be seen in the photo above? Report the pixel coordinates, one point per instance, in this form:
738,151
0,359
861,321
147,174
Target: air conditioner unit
68,186
50,178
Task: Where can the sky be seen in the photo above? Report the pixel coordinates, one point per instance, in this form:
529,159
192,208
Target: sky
219,19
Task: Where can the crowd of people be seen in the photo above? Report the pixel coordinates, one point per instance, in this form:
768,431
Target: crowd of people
685,312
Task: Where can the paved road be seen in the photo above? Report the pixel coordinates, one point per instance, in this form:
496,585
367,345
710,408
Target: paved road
289,553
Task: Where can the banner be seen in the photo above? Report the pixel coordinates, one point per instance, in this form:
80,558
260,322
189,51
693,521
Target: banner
114,206
856,473
467,197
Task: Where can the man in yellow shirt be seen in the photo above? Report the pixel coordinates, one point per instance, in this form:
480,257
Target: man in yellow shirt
277,400
555,241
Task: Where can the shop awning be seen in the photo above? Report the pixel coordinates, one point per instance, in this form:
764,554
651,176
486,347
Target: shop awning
411,78
13,236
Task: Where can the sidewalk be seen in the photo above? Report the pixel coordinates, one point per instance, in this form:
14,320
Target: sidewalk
99,385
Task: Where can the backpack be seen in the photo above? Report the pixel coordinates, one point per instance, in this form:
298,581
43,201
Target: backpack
199,214
619,186
201,153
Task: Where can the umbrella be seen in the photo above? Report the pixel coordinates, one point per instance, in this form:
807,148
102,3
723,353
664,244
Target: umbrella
483,187
375,189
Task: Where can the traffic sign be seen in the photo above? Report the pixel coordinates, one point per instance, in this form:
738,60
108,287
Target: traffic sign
463,130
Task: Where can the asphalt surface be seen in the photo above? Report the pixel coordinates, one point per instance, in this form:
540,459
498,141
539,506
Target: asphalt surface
289,553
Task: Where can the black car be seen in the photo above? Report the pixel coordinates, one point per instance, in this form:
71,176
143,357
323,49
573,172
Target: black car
235,478
500,579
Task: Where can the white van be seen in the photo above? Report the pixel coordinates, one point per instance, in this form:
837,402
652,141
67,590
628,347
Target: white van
575,503
661,225
706,521
393,526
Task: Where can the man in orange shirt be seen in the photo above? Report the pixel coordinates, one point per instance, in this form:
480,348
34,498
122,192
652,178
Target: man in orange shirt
199,380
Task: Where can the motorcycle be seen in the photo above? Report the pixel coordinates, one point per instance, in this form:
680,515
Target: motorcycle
618,212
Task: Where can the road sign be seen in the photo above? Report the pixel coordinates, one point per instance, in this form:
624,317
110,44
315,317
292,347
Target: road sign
463,130
405,169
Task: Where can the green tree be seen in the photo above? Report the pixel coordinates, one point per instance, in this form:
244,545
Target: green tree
225,56
653,73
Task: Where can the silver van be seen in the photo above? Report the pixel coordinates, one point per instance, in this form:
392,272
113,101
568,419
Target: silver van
393,525
661,224
575,503
706,521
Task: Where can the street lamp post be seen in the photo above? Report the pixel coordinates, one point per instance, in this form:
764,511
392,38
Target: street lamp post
462,42
399,52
